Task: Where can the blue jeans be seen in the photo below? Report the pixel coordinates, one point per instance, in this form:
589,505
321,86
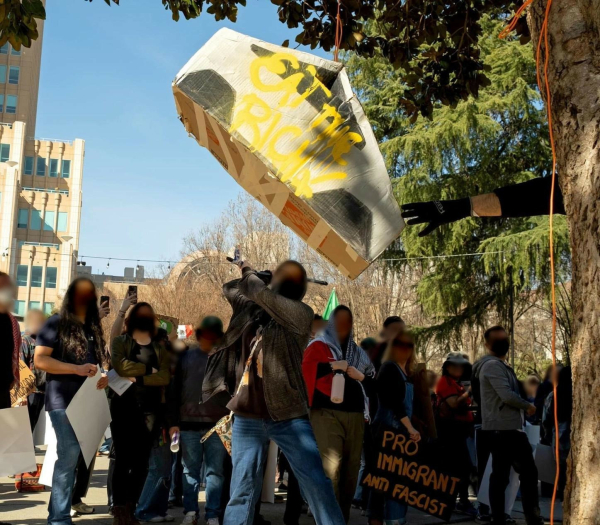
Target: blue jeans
212,455
154,500
394,512
63,477
295,438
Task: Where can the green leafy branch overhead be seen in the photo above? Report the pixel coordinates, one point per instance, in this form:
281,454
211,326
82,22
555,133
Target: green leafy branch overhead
433,44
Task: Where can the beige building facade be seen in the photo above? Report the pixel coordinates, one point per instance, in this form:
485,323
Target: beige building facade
40,190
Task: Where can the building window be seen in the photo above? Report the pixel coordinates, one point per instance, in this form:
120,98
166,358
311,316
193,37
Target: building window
62,221
4,152
15,52
4,49
53,167
36,220
36,276
22,271
13,75
66,169
2,74
49,221
40,169
28,166
23,219
51,277
35,305
1,103
19,310
48,307
11,104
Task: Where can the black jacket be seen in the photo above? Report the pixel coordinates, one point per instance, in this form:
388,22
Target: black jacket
284,339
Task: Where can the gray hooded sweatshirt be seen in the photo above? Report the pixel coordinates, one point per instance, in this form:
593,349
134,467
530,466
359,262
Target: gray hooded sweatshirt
501,403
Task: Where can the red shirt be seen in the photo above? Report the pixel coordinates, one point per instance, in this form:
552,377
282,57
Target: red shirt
448,387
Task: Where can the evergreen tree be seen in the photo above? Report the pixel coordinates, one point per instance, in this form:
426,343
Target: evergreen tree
498,139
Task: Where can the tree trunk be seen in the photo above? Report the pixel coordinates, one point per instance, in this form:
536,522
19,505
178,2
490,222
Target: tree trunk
574,79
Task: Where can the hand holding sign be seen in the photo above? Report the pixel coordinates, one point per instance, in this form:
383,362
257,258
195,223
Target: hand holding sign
411,471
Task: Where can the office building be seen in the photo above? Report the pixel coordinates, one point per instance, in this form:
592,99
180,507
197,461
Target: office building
40,189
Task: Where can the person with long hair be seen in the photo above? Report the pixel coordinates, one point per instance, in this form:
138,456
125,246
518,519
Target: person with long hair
339,427
69,348
136,415
564,405
454,422
395,392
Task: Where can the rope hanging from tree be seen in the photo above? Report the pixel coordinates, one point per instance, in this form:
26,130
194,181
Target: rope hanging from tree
338,32
544,36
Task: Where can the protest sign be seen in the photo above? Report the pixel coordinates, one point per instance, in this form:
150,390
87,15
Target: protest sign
17,454
288,128
414,473
510,494
117,383
89,416
51,454
26,385
168,323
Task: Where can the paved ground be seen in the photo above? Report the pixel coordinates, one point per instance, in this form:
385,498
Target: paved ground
30,508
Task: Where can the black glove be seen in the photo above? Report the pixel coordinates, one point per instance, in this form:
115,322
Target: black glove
436,213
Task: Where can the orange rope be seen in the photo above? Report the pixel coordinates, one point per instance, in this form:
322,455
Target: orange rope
338,33
544,35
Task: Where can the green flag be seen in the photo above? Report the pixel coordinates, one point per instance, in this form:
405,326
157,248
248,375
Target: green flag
332,304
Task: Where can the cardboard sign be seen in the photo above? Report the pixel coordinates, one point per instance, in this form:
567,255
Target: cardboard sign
26,385
169,323
288,128
413,473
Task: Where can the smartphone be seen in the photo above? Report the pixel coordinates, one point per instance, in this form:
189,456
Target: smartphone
105,299
132,290
230,259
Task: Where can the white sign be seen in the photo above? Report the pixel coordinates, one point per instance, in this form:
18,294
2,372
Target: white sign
89,416
51,454
510,496
17,454
117,383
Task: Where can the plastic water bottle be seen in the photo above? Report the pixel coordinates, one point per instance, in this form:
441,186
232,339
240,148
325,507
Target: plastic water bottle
337,387
175,443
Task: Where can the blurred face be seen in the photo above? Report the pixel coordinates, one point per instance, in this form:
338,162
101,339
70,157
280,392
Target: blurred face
403,348
456,371
207,340
7,294
498,342
531,386
343,324
390,331
288,281
85,294
318,325
144,320
34,321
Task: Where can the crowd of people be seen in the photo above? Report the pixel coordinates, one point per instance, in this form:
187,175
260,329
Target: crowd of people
204,414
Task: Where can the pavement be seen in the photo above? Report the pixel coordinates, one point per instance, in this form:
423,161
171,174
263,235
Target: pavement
31,508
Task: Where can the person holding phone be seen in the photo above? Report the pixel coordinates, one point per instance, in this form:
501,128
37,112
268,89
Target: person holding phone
69,348
137,414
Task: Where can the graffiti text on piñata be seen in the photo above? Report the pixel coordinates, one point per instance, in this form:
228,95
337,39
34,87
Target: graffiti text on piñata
313,159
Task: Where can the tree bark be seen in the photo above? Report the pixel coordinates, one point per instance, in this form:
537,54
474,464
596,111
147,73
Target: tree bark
574,79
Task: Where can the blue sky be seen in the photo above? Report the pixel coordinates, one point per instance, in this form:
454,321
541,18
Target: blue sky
106,78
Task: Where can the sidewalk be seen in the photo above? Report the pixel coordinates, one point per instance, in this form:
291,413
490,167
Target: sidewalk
31,508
